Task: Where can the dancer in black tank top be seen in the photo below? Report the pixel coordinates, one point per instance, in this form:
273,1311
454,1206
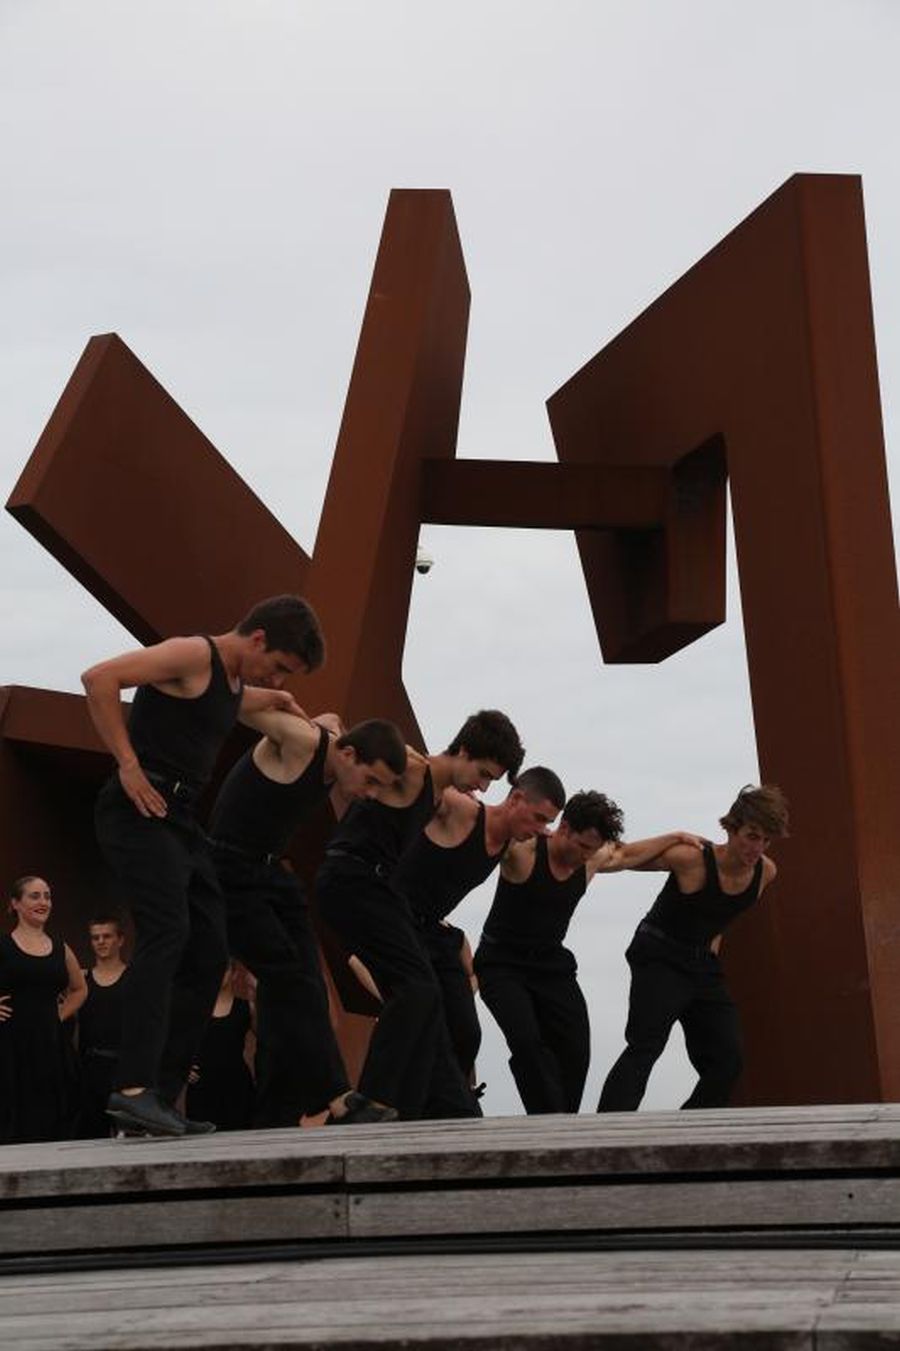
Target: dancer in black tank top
274,787
410,1062
459,848
190,692
675,970
527,978
100,1027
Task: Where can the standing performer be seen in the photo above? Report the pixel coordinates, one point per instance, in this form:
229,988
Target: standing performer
190,693
409,1059
100,1027
675,970
271,789
459,848
527,978
41,986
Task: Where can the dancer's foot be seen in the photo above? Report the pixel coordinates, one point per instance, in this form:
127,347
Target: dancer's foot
359,1109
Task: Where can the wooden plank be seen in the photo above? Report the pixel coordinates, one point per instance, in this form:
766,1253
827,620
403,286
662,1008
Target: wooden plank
671,1300
220,1219
107,1167
644,1206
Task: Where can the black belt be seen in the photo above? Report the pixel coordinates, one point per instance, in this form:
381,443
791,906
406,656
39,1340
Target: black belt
184,790
518,949
380,870
253,855
691,949
100,1053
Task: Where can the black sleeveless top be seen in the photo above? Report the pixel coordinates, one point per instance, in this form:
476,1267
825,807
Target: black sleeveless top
434,878
258,814
181,738
100,1016
34,982
697,917
535,913
375,833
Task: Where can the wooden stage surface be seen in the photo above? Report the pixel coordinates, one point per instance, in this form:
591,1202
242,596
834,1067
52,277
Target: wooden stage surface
758,1228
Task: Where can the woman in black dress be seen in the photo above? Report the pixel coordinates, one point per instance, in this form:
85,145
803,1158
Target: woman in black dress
41,986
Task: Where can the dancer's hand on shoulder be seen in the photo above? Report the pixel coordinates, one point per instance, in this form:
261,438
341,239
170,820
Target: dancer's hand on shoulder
5,1007
284,702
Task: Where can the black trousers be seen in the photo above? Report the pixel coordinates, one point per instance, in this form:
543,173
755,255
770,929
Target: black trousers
98,1074
542,1014
410,1064
672,983
299,1066
458,997
167,880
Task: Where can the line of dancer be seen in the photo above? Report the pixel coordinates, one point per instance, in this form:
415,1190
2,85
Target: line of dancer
412,839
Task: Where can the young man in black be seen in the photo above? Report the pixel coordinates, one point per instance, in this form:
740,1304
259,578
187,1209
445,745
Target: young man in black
100,1027
675,970
527,978
190,692
275,786
410,1060
459,848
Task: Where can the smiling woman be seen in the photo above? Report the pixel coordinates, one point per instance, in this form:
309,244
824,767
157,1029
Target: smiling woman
41,985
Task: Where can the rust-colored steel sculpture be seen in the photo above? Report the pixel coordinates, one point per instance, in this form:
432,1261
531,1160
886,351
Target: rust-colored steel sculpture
764,355
758,364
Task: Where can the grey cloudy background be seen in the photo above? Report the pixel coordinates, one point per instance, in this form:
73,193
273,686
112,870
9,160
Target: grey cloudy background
208,178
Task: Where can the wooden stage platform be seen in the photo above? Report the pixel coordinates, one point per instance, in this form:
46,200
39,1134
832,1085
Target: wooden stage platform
763,1228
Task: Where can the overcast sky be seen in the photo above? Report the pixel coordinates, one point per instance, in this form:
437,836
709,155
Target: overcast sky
208,179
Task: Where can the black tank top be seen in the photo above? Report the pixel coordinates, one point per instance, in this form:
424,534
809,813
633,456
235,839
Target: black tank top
376,833
100,1016
182,737
435,878
535,913
34,982
257,813
697,917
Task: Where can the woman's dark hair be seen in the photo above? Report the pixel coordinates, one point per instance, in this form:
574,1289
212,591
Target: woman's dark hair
290,625
594,811
489,735
20,884
377,739
541,785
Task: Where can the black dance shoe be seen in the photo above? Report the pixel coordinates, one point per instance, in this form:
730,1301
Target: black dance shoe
360,1110
197,1127
144,1112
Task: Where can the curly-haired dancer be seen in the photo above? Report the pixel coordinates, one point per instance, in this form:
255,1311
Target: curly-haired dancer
675,970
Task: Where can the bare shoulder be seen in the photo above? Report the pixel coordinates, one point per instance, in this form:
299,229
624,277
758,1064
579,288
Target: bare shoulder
684,860
458,806
769,872
286,729
171,660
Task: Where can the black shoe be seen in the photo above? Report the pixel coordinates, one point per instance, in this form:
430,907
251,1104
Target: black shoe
190,1127
197,1127
144,1112
361,1109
